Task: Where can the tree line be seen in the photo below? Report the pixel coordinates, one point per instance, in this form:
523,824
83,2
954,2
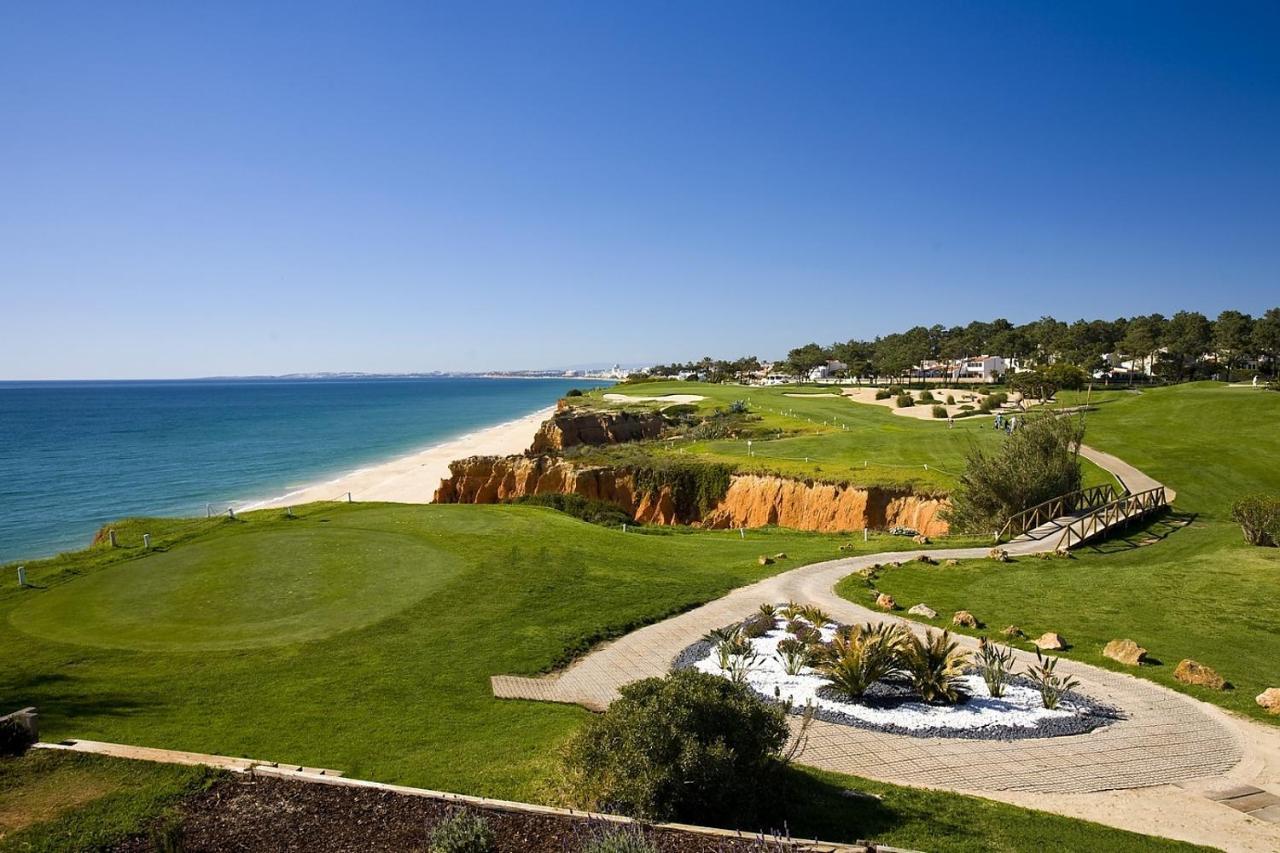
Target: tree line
1176,347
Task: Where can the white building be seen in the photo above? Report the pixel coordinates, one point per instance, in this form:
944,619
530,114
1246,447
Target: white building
826,371
984,368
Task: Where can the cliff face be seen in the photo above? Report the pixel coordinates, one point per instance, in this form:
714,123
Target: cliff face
568,428
751,501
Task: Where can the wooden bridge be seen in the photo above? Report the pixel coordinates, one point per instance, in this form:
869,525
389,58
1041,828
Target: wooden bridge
1082,515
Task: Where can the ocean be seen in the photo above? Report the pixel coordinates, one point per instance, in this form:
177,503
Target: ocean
75,455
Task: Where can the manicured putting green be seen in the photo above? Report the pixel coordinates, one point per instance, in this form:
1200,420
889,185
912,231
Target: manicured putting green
257,589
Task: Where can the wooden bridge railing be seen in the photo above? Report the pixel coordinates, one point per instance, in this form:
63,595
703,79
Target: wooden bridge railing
1112,515
1072,503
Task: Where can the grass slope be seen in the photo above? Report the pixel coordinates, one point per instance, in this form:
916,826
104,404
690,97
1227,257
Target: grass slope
401,694
1194,591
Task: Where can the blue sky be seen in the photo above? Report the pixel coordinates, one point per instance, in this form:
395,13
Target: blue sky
233,188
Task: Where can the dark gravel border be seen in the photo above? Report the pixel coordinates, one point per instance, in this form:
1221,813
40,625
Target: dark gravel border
1090,715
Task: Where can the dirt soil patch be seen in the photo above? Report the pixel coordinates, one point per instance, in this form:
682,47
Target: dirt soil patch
246,813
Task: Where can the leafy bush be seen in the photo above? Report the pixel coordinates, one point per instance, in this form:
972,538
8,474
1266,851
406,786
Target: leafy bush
573,392
620,839
738,407
951,400
816,616
1052,687
936,666
940,411
995,665
463,832
757,625
904,401
586,509
883,394
895,390
691,747
695,486
861,656
926,397
1037,462
966,407
1259,518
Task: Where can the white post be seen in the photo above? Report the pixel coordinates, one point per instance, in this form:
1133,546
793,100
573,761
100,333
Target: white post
288,512
864,534
111,537
231,512
742,533
749,453
624,527
146,541
208,510
22,575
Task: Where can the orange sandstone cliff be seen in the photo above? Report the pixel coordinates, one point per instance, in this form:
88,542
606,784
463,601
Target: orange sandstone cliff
569,428
751,500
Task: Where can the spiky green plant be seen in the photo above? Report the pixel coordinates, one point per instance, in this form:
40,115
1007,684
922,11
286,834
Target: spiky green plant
794,656
995,665
858,658
768,609
816,616
740,666
790,610
1052,686
935,665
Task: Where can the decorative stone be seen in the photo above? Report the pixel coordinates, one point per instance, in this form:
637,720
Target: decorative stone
1126,652
1269,699
964,619
1189,671
924,610
781,555
1050,641
765,560
920,539
926,559
951,563
1000,555
1013,632
885,602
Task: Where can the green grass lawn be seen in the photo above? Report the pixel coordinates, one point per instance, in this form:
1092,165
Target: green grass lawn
226,639
830,437
1197,592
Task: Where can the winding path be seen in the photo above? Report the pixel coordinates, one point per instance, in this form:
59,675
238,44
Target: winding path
1175,766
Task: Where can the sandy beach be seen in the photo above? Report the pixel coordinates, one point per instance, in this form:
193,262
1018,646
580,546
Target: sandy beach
414,478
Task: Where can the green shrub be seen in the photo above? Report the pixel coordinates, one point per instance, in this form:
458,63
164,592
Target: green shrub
861,656
757,625
1259,518
695,486
1052,686
738,407
895,390
904,401
936,666
620,840
463,832
939,411
573,392
966,407
583,508
1039,461
926,396
995,664
690,747
883,394
951,400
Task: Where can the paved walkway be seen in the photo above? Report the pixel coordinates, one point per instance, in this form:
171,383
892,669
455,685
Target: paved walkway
1166,768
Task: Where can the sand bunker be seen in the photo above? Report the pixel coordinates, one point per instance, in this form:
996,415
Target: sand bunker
669,398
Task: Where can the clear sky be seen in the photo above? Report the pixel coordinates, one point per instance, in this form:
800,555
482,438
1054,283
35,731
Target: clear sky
231,188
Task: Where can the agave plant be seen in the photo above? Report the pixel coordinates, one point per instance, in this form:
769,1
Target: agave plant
790,610
1052,686
794,656
995,665
769,610
729,643
935,665
740,665
858,658
816,616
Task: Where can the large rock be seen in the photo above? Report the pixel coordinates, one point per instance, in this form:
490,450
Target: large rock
1050,641
1189,671
924,610
1000,555
1126,652
885,602
964,619
765,560
1269,699
572,427
1013,632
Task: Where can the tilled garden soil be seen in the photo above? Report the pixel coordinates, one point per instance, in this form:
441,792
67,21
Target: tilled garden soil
268,814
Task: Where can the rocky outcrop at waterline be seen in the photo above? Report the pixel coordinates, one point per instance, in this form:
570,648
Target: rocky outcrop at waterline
749,500
570,428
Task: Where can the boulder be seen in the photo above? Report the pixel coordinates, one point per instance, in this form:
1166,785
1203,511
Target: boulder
1000,555
885,602
781,555
1126,652
765,560
924,610
1013,632
926,559
951,563
1050,641
1269,699
964,619
920,539
1189,671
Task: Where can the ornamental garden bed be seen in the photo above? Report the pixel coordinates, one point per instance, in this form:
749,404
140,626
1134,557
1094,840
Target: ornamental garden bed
798,657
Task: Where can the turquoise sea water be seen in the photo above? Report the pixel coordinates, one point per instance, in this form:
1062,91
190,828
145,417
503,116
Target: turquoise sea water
75,455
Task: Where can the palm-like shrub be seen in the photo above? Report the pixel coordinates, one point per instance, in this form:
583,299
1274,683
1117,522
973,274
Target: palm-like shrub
1052,686
935,665
861,656
816,616
995,665
769,610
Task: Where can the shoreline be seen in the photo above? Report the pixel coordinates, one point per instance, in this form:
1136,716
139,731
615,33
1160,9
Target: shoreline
413,478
